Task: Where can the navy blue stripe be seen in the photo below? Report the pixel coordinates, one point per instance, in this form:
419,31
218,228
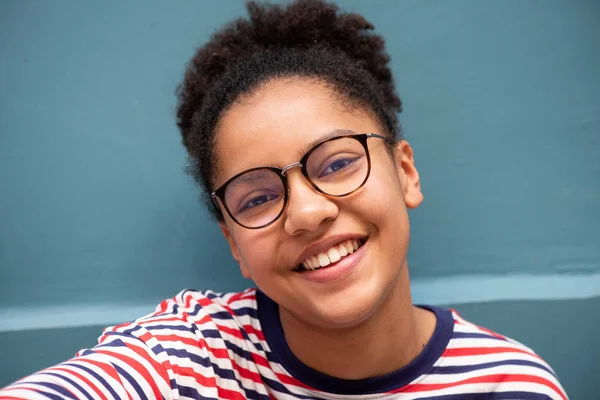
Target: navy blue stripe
253,394
490,396
211,333
130,379
48,395
245,311
71,381
190,392
194,358
196,310
95,375
55,387
457,369
120,334
224,373
116,343
205,362
211,295
132,329
222,315
280,387
182,328
473,335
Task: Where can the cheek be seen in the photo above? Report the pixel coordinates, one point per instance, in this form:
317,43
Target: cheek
383,193
258,254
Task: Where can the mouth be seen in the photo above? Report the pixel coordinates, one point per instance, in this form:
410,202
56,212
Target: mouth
330,256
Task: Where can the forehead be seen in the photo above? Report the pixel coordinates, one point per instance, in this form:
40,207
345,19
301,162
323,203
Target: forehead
276,123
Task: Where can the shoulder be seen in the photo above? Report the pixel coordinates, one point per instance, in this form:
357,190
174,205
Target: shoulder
195,321
199,337
480,355
195,311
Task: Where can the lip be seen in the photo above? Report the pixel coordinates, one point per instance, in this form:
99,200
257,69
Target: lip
325,244
336,271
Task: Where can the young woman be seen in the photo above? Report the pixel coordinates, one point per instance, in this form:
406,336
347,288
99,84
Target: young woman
289,119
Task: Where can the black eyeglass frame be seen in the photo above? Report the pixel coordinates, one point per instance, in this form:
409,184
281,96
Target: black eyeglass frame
360,137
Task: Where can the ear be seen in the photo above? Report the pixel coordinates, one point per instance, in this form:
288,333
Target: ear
408,174
234,250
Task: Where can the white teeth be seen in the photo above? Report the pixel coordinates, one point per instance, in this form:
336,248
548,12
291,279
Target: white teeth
309,264
323,260
349,247
334,255
331,255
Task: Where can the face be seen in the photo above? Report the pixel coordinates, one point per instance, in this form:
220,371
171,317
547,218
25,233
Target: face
275,127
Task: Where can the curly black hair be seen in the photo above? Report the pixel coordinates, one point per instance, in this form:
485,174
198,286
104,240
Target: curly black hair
308,38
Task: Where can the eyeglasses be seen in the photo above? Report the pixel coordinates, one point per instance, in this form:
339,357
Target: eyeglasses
335,167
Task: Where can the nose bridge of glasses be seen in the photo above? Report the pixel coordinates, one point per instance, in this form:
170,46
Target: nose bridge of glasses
285,169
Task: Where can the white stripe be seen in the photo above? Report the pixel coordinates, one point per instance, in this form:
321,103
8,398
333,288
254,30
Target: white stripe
141,380
505,370
458,343
96,383
26,390
486,358
113,383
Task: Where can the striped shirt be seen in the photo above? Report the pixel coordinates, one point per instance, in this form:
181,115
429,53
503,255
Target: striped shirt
205,345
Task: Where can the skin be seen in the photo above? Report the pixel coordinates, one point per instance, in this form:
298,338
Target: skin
344,328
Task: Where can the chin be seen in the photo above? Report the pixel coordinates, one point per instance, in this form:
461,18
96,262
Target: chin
347,311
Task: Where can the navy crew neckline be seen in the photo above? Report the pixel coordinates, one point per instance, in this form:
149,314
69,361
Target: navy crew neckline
268,315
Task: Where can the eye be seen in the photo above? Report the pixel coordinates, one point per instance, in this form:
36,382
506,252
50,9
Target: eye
257,201
336,166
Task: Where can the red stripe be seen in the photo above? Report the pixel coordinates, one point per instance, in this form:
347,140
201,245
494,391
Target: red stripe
479,351
218,353
237,332
162,307
229,394
83,378
498,378
22,386
246,373
158,368
231,331
110,371
253,330
131,362
146,337
204,381
154,320
235,297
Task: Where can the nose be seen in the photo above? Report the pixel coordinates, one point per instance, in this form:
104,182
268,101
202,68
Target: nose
307,210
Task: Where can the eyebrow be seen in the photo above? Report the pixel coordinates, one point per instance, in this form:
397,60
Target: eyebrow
251,177
329,135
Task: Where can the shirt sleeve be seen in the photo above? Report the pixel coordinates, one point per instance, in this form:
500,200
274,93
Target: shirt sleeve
121,366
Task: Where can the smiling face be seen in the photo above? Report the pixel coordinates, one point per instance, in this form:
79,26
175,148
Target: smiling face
275,127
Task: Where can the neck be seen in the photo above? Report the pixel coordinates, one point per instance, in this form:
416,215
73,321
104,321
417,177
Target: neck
364,350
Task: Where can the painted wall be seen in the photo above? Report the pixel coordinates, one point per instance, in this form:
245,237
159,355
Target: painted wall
98,221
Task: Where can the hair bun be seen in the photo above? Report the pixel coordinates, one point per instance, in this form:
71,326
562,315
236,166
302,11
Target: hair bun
302,24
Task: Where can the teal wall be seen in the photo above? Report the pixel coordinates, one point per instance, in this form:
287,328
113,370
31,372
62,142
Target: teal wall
98,220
